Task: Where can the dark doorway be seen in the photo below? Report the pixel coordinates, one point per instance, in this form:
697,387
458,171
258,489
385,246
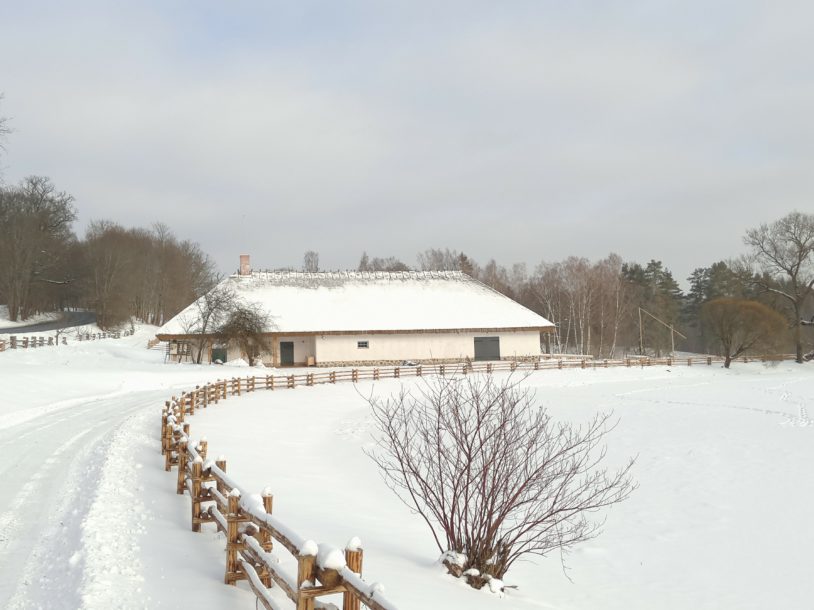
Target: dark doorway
286,353
219,354
487,348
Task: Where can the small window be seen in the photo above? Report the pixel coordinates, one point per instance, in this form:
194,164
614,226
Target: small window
362,344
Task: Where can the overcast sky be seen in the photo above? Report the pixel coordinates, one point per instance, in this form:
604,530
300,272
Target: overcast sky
523,131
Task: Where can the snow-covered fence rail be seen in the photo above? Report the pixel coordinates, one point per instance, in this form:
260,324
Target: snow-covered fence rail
35,341
252,533
31,342
116,334
237,386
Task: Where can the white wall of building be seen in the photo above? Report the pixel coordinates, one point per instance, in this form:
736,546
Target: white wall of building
420,346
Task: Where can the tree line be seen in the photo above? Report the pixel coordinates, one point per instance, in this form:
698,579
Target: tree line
757,301
143,273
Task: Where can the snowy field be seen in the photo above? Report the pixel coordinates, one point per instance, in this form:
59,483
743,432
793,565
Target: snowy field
89,519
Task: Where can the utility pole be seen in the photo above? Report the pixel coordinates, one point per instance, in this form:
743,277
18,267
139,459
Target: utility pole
673,331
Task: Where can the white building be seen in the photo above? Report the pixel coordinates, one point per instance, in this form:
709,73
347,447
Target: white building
356,318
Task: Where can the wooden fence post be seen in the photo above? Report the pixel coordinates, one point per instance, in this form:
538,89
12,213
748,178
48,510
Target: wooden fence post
353,559
168,443
418,371
305,573
220,463
709,360
195,492
266,541
689,361
181,483
232,538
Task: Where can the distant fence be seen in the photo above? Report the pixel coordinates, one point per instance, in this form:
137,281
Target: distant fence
31,342
219,499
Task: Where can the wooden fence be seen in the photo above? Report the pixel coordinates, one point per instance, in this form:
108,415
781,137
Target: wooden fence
31,342
252,533
251,530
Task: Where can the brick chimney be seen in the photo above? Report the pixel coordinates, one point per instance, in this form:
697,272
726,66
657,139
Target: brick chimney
245,266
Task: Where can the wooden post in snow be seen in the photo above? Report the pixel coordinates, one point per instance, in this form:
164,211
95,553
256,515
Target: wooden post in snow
353,559
181,482
195,492
232,538
305,573
266,541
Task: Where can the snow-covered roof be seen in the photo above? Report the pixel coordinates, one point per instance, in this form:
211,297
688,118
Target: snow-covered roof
350,301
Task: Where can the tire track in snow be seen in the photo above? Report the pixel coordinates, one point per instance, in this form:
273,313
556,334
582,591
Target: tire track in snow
40,561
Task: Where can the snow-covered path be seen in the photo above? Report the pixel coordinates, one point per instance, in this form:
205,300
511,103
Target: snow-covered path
80,468
53,461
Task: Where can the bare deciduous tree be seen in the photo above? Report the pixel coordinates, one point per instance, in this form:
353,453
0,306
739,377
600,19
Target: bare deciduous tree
246,326
491,473
785,252
310,262
436,259
35,224
742,326
381,264
4,130
211,311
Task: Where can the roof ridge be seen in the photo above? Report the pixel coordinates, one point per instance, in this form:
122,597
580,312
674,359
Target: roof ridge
349,274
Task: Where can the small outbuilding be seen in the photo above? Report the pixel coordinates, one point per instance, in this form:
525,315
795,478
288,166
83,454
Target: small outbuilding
365,318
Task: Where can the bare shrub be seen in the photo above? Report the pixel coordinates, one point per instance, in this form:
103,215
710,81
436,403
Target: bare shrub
491,473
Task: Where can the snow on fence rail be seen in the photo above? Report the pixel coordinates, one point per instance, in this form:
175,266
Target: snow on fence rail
31,342
246,519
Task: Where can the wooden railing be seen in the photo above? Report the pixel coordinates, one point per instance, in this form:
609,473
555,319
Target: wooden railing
31,342
251,530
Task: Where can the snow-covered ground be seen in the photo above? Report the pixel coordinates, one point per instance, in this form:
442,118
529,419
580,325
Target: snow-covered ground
88,517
